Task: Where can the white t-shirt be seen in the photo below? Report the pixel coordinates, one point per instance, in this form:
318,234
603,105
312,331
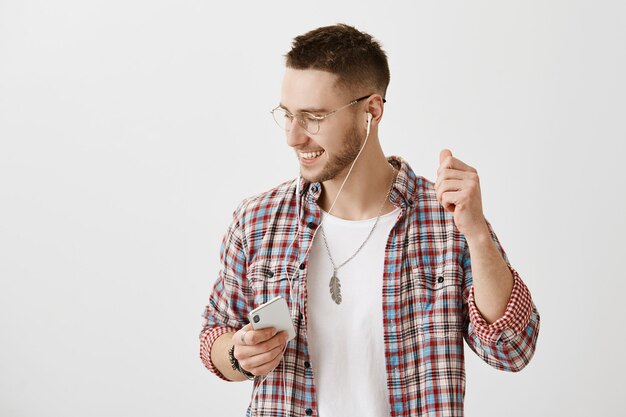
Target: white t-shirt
346,342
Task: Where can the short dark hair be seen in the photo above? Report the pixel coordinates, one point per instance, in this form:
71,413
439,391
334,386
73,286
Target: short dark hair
356,57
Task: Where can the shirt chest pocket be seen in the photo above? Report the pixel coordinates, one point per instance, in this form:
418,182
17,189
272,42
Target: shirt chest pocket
269,279
435,299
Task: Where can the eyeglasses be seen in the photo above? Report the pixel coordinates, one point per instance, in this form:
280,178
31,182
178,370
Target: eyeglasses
310,122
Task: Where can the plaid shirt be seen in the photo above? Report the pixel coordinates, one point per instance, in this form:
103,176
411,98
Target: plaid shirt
427,299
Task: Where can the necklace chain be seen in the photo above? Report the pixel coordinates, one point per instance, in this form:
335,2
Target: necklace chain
334,284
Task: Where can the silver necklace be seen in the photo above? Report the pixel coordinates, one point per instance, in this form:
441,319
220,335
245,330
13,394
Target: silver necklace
335,284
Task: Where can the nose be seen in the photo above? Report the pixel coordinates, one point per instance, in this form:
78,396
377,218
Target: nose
296,134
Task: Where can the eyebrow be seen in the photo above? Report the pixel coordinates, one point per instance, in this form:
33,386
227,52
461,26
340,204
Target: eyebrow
309,110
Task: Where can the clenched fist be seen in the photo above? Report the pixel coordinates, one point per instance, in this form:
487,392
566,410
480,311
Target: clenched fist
458,191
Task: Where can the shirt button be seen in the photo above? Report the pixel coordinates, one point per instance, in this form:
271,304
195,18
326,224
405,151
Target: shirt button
314,188
440,280
302,266
309,412
270,274
301,316
307,364
311,225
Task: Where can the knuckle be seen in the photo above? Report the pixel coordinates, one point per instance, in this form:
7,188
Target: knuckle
263,347
276,361
277,350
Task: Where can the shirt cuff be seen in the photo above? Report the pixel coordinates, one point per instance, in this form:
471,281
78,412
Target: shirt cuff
206,343
514,320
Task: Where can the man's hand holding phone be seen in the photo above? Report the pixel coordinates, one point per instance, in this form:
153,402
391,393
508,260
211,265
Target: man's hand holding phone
259,351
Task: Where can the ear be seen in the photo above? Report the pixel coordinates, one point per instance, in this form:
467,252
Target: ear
375,109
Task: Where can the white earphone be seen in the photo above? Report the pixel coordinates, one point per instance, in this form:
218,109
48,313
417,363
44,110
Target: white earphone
294,303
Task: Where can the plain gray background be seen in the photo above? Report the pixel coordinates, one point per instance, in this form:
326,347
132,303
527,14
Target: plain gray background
130,130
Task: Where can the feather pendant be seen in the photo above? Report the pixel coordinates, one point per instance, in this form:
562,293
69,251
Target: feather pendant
335,289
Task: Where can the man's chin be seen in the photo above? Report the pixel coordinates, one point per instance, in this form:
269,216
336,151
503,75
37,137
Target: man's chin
315,175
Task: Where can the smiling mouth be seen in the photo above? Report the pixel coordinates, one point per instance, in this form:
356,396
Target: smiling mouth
309,156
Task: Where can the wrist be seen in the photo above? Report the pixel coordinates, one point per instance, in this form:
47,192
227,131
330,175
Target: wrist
479,235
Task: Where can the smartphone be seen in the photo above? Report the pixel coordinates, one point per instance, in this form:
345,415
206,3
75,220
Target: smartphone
274,313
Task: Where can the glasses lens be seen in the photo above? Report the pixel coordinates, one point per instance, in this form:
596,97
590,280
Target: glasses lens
310,124
282,118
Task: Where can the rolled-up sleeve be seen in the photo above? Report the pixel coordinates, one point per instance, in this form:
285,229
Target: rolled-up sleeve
509,342
229,301
514,320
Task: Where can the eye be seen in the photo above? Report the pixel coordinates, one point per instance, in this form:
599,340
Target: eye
310,117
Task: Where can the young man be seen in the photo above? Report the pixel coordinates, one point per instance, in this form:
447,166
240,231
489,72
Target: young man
373,260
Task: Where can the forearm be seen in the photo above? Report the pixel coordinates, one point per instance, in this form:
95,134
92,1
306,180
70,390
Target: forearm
492,278
219,357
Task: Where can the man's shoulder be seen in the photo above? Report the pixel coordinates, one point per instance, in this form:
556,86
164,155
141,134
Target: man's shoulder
420,193
425,185
266,201
413,187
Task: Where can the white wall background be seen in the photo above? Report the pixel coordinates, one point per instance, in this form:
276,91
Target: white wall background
129,131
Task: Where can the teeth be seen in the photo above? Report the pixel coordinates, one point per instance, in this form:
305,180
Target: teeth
311,155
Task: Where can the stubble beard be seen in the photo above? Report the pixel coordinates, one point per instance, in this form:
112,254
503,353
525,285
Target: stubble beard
338,162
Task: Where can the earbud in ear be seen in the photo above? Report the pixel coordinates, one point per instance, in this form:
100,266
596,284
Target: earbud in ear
369,118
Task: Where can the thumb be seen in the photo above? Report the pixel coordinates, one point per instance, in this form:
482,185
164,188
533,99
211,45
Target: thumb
444,154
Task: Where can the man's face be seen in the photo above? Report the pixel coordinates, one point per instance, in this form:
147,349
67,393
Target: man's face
329,152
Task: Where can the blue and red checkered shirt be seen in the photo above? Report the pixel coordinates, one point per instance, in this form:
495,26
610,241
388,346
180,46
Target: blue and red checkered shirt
427,299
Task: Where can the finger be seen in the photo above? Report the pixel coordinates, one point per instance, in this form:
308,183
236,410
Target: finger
268,367
444,154
449,185
454,174
236,339
449,200
450,162
262,359
244,352
247,336
254,337
455,164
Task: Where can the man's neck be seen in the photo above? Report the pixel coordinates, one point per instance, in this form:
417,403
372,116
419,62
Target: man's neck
364,191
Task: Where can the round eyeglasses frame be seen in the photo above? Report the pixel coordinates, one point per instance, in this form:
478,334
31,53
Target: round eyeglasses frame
309,121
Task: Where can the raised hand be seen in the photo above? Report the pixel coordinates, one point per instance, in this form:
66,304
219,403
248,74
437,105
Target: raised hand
458,191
